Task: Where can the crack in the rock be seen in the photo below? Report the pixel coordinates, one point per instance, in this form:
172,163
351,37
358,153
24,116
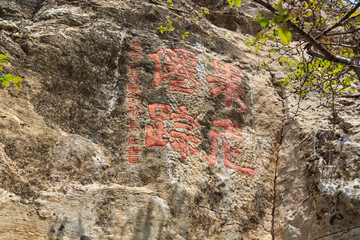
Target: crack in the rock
342,231
276,167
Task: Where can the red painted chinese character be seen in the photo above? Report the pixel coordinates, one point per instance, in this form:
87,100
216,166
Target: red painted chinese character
165,109
133,160
183,138
228,76
132,140
135,43
229,134
184,115
133,88
135,54
133,65
133,126
158,140
182,143
180,68
132,154
133,101
157,57
157,111
136,48
134,75
133,151
134,112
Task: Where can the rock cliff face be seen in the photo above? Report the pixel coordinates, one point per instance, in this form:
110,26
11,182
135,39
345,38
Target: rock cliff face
120,132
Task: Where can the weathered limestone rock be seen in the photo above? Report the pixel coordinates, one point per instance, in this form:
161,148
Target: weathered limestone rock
120,132
317,184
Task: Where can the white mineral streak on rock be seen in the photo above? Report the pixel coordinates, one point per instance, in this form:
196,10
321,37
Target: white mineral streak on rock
350,188
200,67
57,11
116,92
76,152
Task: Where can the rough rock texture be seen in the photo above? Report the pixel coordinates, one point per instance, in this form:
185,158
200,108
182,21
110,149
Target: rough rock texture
70,138
317,183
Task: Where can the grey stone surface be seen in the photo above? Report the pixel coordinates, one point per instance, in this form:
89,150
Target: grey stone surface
64,147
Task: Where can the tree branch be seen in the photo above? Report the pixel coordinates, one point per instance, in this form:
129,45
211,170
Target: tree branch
339,44
343,20
343,33
324,53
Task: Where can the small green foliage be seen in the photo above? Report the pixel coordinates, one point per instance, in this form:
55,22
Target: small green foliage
285,35
323,77
274,29
162,29
8,79
264,22
171,3
236,2
306,72
184,35
170,22
279,6
170,26
3,60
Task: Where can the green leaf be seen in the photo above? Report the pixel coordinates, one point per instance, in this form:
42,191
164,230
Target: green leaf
279,18
238,3
279,6
307,14
184,35
289,17
6,83
17,85
231,3
2,56
8,77
17,79
162,29
285,35
259,36
264,22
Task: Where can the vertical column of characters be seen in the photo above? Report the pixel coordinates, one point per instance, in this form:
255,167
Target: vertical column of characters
228,79
178,67
133,101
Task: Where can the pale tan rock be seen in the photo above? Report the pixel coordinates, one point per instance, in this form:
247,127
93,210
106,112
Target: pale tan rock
63,138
